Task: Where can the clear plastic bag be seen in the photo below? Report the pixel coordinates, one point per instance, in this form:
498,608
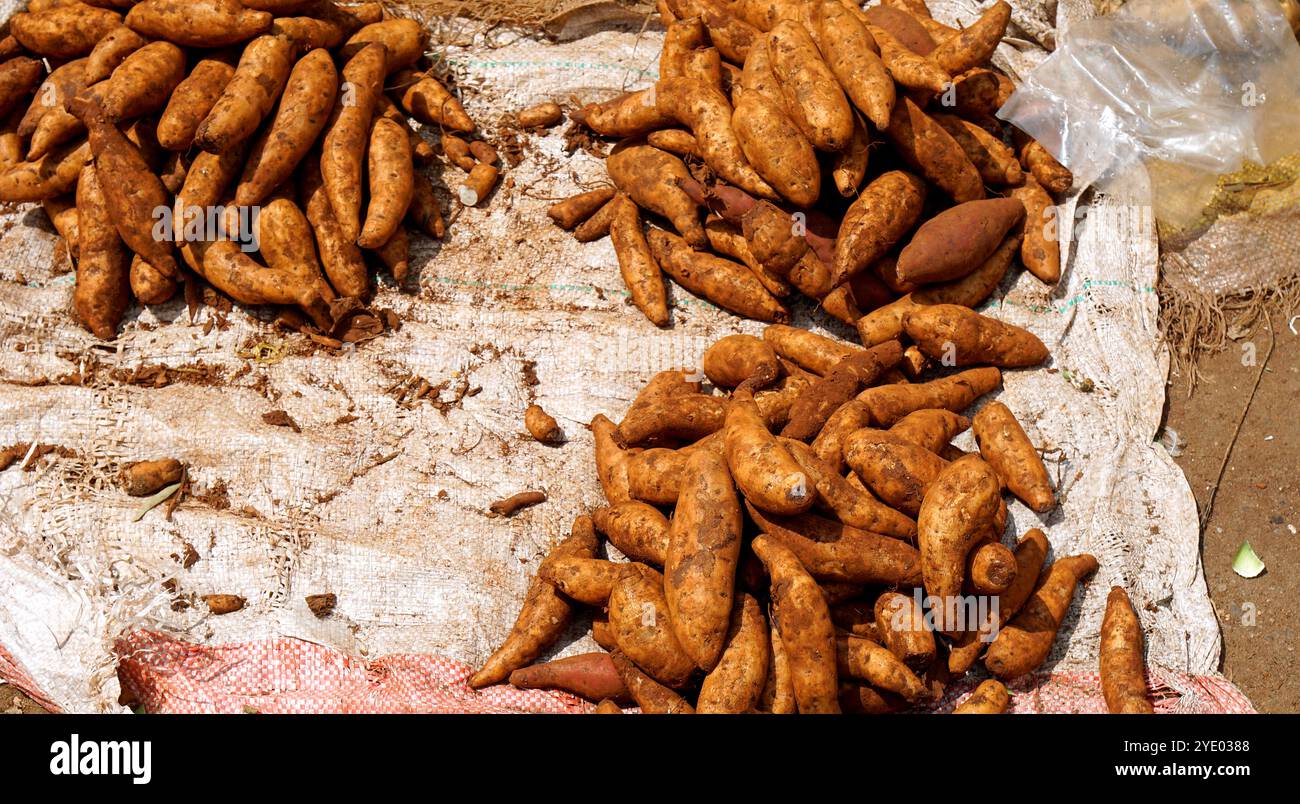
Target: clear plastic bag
1189,89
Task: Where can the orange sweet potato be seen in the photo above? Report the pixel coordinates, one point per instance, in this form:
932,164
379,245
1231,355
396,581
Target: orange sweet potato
1005,446
638,530
1024,643
960,336
831,551
588,675
735,685
649,177
958,240
1123,672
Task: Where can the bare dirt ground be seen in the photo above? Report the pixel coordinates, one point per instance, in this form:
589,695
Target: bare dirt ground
1258,501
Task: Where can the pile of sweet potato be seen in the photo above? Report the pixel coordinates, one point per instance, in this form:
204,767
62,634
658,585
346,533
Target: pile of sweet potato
804,536
266,145
809,146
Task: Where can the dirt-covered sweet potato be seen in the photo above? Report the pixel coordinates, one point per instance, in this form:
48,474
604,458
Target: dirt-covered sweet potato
833,551
901,624
51,175
829,443
142,478
542,426
636,263
776,148
929,150
65,31
142,83
284,236
687,416
676,141
18,77
816,353
889,403
643,628
191,102
910,70
958,240
1003,443
347,136
1051,174
340,257
760,464
649,177
586,580
197,23
62,212
148,284
728,240
777,697
404,39
887,208
772,236
732,36
1024,643
249,96
1031,554
896,471
544,615
572,211
812,95
989,698
736,684
680,38
703,550
849,167
587,675
727,284
974,45
990,569
391,173
102,291
824,396
851,505
932,429
1040,250
110,51
995,162
957,507
396,254
904,25
303,110
232,271
959,336
426,99
542,115
611,460
638,530
653,698
863,659
654,475
803,622
854,57
1123,671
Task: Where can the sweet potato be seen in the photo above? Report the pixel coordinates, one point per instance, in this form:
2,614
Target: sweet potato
851,505
688,417
1051,174
640,271
816,353
425,212
959,336
735,358
896,471
52,175
778,690
101,295
308,33
1031,553
143,82
772,236
958,240
904,24
601,634
832,551
803,622
654,475
681,37
774,404
608,707
191,102
586,580
238,275
572,211
857,698
587,675
197,23
633,114
728,240
735,685
727,284
339,255
989,698
776,148
932,429
990,569
284,236
815,405
901,625
703,549
762,467
542,425
63,82
1040,250
542,115
910,70
638,530
149,284
478,184
889,403
65,31
304,109
932,152
457,152
648,176
62,212
396,254
957,506
391,174
425,98
676,141
849,167
863,659
611,460
653,698
854,57
544,615
886,323
404,39
1123,673
1024,643
995,162
883,213
732,36
18,77
812,95
347,136
1005,446
249,96
643,628
142,478
974,45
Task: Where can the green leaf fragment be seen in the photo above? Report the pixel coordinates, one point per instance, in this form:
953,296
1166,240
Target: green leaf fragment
1246,563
